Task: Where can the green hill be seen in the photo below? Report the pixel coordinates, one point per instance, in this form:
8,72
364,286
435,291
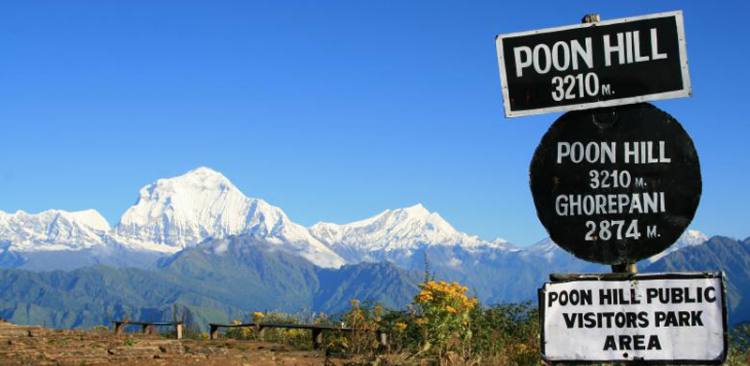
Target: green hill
718,254
216,281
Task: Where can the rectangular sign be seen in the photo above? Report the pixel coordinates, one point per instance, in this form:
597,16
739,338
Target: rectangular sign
651,318
593,65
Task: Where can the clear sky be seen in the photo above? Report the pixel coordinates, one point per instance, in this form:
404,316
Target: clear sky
332,110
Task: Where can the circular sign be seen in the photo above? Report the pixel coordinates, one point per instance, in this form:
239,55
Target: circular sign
616,185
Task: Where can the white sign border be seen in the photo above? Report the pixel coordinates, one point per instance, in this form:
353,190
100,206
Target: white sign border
598,277
686,90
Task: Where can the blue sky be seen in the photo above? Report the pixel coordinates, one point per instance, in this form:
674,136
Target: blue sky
333,111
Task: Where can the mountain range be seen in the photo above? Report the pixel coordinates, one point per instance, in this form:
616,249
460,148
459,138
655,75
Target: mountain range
197,240
181,212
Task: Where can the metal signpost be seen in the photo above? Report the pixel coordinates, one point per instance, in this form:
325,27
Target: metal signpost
615,180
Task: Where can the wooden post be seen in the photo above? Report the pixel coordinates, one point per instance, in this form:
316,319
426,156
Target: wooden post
591,18
317,338
609,119
148,328
382,339
118,328
213,331
628,267
178,330
624,268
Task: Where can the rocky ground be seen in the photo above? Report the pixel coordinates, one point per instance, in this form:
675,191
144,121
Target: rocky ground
28,345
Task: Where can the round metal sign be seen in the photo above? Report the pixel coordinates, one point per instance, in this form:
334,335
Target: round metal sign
616,185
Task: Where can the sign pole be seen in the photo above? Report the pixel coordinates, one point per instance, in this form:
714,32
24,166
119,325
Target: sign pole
591,18
625,268
628,267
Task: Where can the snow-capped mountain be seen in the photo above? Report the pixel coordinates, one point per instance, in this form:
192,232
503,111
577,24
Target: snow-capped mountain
548,249
172,214
688,239
203,227
396,234
53,230
183,211
56,239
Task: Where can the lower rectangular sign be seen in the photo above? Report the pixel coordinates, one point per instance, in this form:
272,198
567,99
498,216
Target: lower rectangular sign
659,318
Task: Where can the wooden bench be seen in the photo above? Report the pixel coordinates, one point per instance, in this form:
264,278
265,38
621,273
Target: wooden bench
148,327
317,331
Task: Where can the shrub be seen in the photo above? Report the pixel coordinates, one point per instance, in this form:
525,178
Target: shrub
365,320
442,316
739,346
243,333
507,334
443,325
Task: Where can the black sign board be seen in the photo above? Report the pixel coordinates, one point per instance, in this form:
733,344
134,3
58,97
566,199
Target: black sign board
592,65
616,185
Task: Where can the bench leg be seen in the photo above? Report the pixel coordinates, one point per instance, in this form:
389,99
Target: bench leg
118,328
317,338
178,330
213,332
148,328
383,339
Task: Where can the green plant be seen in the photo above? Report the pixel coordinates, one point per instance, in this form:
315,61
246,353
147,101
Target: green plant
364,321
298,338
508,332
739,346
243,333
442,317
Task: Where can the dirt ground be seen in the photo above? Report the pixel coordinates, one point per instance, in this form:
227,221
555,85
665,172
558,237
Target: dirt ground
28,345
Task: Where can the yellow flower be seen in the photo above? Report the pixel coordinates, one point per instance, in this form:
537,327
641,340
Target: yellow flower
258,315
424,296
400,326
450,309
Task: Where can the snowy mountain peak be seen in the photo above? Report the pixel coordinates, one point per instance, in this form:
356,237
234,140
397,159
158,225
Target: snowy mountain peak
204,177
409,221
549,249
687,239
53,230
416,210
183,211
91,218
399,229
186,209
197,181
692,237
419,217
